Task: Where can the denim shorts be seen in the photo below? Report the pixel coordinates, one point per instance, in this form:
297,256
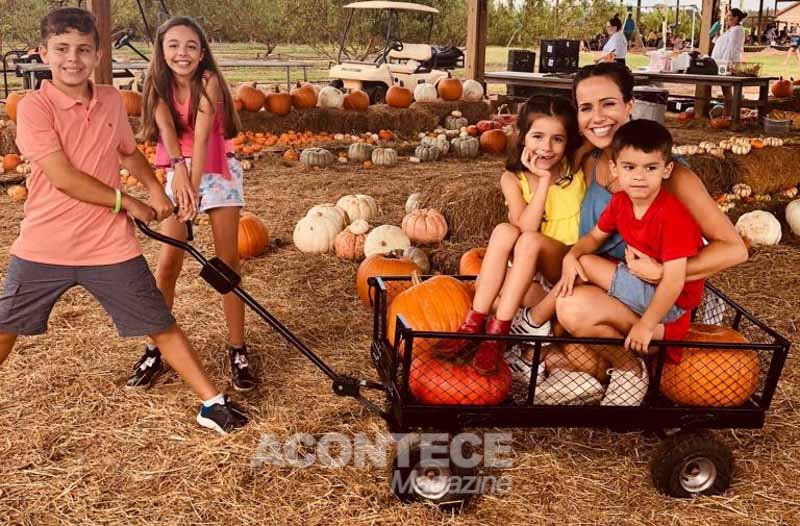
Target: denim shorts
637,294
127,291
215,190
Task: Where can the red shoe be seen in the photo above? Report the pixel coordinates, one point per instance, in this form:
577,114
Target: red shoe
490,352
472,324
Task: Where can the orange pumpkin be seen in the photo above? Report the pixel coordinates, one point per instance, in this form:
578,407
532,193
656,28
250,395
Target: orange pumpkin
11,161
349,243
278,103
438,304
17,193
291,155
133,102
399,97
781,88
757,144
493,141
425,225
356,100
471,261
721,124
252,98
253,236
384,265
11,103
386,135
712,377
304,96
437,380
237,104
449,89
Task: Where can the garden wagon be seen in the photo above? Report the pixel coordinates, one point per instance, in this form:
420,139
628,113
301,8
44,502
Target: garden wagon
690,461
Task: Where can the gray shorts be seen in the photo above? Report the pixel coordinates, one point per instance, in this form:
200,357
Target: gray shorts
637,294
127,291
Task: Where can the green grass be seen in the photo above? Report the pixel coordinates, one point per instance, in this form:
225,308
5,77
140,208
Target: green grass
496,59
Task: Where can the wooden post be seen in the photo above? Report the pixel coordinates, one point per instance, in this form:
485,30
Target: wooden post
477,15
760,16
703,93
103,73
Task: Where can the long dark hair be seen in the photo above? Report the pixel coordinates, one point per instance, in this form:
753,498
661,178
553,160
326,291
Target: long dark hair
615,21
739,14
545,106
619,73
160,85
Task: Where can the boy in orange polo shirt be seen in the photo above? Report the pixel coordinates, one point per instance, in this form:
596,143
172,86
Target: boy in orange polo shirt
75,135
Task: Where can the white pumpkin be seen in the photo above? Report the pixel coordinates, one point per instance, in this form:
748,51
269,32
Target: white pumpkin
759,227
425,93
385,239
741,149
336,215
472,90
330,97
793,216
413,202
440,141
742,190
418,256
790,192
358,206
314,234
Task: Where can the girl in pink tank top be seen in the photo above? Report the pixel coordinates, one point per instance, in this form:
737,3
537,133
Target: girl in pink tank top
189,111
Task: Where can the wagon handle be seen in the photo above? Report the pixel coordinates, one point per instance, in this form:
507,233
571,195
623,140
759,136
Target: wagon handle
225,280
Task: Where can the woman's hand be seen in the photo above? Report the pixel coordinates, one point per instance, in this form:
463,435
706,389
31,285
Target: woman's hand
184,193
643,266
571,269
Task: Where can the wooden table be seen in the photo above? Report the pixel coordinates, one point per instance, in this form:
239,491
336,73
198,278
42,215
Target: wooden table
564,83
29,70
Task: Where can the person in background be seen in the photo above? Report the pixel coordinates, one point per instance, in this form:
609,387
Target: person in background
794,45
616,48
729,47
629,27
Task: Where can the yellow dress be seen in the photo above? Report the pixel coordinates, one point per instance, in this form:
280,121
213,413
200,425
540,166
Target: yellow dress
562,207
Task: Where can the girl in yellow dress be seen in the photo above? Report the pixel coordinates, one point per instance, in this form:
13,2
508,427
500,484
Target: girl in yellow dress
543,188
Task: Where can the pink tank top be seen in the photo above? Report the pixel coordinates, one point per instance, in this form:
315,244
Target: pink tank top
216,150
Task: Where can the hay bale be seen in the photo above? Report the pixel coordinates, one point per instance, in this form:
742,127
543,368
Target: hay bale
770,170
473,205
406,121
8,136
718,175
473,111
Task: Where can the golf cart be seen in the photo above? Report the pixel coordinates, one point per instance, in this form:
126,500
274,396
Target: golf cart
398,62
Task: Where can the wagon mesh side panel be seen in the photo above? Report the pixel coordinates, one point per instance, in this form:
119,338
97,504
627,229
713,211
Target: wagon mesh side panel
432,378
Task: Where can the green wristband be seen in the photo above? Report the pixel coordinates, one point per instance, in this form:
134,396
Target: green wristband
117,202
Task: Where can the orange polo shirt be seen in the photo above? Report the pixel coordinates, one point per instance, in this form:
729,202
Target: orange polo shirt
56,228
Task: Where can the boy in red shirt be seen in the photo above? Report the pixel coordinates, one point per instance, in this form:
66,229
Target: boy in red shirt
653,221
75,135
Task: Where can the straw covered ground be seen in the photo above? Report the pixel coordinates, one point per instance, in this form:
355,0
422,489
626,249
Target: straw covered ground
78,449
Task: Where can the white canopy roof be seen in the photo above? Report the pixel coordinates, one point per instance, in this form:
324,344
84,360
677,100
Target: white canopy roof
383,4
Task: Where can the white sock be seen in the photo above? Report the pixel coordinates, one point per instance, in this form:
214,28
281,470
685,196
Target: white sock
219,399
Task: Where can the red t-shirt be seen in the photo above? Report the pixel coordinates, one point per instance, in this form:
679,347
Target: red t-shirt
666,231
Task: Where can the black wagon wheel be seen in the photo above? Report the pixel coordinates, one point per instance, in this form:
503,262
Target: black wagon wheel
692,464
420,475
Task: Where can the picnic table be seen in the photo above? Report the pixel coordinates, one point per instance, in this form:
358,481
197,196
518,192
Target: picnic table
29,70
563,82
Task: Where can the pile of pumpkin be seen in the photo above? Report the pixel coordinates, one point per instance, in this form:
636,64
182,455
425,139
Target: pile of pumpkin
760,227
735,145
13,162
305,96
743,192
